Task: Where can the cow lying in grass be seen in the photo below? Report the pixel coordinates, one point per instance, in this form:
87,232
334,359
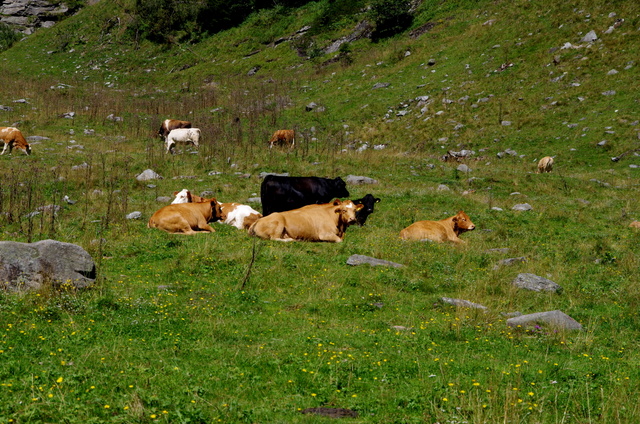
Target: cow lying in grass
448,229
12,137
326,222
187,218
235,214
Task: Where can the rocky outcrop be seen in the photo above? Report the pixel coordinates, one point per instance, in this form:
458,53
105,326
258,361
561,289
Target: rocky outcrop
28,15
28,266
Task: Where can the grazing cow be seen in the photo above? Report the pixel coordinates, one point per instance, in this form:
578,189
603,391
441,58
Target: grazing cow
448,229
367,202
183,135
635,224
240,216
285,138
187,218
13,138
279,194
172,124
545,164
326,222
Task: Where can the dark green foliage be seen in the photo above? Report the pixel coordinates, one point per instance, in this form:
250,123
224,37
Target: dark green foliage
7,37
389,17
333,12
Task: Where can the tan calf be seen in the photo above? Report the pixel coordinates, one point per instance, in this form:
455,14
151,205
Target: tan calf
13,138
448,229
326,222
545,164
285,138
187,218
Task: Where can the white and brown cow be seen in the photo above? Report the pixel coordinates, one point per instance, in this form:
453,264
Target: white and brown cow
448,229
235,214
325,222
184,136
172,124
187,218
13,137
284,138
545,164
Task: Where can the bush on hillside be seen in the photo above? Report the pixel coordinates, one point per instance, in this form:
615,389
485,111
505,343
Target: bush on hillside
7,37
389,17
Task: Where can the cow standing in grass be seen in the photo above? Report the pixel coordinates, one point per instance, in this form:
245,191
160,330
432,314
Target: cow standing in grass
184,136
284,138
13,137
172,124
545,164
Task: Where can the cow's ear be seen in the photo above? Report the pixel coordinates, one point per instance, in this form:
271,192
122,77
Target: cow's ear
377,200
359,207
175,193
455,219
189,199
337,202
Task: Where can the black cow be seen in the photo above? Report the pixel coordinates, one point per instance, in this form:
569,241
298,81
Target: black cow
279,194
368,201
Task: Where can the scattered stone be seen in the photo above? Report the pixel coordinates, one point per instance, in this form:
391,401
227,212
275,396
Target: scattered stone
495,208
590,37
358,180
461,303
311,106
28,266
555,318
89,132
602,143
254,200
401,328
147,175
498,250
381,85
83,165
6,108
68,200
253,70
509,262
522,207
612,72
609,93
134,215
163,199
68,115
264,174
443,187
535,283
362,259
463,168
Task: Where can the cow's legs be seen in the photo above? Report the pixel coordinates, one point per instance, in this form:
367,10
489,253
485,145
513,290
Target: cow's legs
6,145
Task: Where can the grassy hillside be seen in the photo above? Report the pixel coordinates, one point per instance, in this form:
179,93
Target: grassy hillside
190,329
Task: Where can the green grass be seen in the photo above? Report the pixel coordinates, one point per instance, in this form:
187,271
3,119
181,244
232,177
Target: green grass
183,329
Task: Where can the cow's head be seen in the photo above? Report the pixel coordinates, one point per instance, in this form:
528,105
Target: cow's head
368,203
216,210
462,223
340,188
183,196
346,211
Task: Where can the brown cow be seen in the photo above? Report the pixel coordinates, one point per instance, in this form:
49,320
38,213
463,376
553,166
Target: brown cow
545,164
447,229
635,224
187,218
172,124
13,138
325,222
284,138
236,214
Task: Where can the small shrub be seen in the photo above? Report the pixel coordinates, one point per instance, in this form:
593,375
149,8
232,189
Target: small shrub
389,18
7,37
